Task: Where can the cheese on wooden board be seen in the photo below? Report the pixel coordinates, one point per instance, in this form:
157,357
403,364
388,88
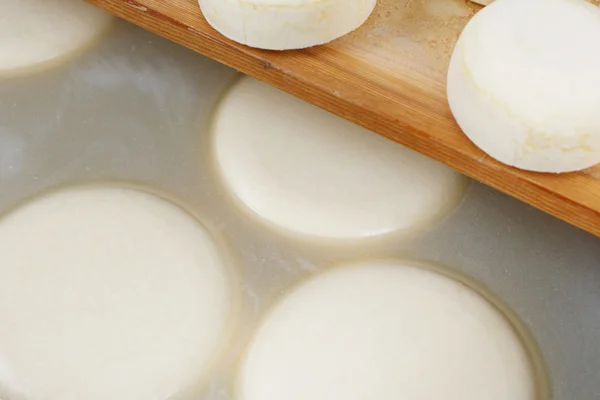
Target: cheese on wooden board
524,83
285,24
108,293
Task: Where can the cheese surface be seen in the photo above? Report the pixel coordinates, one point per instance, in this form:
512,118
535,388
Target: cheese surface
385,329
308,172
38,32
528,93
108,293
285,24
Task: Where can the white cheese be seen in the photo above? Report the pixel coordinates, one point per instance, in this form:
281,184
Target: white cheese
307,171
41,32
108,293
524,83
285,24
385,330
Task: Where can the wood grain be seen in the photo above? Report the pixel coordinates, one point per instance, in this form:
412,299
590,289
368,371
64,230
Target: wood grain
389,76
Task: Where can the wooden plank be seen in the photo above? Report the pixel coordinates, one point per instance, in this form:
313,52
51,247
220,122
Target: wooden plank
388,76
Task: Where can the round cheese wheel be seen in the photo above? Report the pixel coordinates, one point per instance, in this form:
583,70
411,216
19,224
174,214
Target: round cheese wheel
524,86
309,172
36,32
108,293
385,330
285,24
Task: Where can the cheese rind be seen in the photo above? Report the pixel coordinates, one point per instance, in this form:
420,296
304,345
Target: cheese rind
285,24
528,94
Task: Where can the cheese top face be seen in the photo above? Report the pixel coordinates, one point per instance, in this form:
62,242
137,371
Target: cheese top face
308,172
285,24
550,63
108,293
40,32
385,330
530,69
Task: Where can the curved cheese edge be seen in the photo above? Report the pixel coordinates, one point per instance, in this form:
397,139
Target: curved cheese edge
386,329
41,33
285,24
527,94
315,175
132,294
